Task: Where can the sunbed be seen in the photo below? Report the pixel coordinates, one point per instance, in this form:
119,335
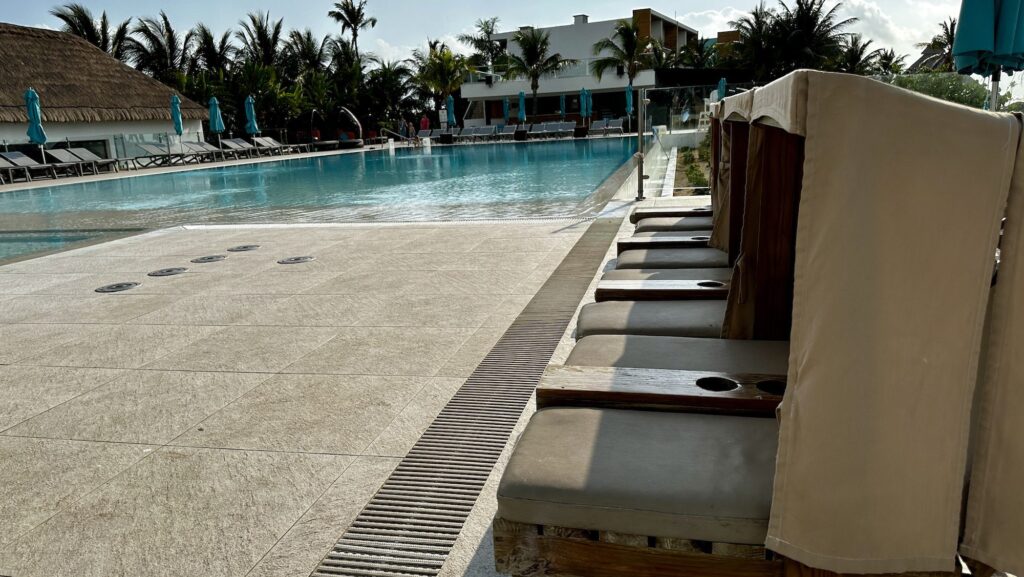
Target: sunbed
237,148
51,170
537,131
157,155
239,144
614,126
111,164
65,157
12,169
598,127
199,152
486,132
286,147
423,134
263,144
467,134
508,132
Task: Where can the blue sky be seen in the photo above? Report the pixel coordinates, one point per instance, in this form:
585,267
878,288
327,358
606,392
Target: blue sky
405,24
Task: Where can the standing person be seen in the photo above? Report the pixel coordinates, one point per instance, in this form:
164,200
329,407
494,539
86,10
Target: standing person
424,122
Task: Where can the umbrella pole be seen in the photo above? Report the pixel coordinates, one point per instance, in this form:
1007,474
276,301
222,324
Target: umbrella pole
994,102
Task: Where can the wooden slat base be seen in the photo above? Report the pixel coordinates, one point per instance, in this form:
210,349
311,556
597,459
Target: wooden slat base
524,550
660,390
661,290
668,211
652,242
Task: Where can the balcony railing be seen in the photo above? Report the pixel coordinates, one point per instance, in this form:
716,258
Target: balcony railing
580,68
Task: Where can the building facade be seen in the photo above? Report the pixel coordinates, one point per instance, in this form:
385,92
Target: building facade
573,41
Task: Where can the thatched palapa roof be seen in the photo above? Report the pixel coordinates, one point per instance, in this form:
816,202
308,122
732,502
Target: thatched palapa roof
77,82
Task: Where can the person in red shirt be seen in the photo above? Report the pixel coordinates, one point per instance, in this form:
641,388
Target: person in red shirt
424,123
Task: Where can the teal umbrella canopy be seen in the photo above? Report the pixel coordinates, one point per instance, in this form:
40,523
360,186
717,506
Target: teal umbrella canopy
504,109
721,89
989,37
561,106
250,116
216,120
522,106
629,99
36,134
176,114
451,110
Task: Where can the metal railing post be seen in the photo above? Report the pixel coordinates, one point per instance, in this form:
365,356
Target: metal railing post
640,117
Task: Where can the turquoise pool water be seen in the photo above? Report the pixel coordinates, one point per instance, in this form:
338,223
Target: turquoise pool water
514,180
19,244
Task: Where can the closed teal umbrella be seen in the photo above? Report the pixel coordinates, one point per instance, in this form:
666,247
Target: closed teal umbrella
989,39
36,134
504,109
561,106
176,114
522,106
721,89
250,116
629,99
584,113
216,120
451,111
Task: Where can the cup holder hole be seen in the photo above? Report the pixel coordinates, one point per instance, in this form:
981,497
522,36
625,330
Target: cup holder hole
772,387
702,238
717,384
711,284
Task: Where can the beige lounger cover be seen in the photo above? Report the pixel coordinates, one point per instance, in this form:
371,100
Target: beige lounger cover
899,216
733,109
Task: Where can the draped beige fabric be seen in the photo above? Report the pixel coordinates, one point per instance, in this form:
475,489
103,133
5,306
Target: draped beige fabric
994,532
732,110
898,220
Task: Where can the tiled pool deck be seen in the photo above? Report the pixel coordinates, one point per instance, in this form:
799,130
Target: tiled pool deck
232,420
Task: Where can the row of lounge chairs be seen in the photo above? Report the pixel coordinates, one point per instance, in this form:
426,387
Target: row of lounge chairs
81,161
534,131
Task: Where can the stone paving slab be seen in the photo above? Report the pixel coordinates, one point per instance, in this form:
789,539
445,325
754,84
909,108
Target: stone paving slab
233,420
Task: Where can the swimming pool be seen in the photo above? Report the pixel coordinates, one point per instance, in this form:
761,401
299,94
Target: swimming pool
513,180
14,245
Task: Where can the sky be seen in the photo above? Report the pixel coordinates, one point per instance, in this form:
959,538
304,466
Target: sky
406,24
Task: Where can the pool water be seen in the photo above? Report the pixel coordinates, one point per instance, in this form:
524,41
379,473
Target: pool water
513,180
21,244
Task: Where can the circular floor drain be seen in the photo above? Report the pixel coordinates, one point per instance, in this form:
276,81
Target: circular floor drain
168,271
244,248
204,259
117,287
295,260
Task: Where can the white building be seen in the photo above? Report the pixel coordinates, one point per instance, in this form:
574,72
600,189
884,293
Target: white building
573,41
87,97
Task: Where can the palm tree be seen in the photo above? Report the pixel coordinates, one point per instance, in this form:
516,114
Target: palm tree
157,49
940,48
487,51
856,57
534,59
626,49
351,15
209,52
441,72
889,63
809,34
758,46
78,20
260,38
700,54
305,54
662,57
388,85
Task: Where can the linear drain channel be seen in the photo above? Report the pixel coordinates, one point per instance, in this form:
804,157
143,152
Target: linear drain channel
411,524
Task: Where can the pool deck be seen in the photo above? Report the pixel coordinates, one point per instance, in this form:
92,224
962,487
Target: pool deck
232,420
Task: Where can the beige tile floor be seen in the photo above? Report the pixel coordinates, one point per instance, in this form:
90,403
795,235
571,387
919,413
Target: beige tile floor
232,421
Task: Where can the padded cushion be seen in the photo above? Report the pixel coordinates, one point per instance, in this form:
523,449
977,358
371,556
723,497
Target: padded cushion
673,258
681,318
720,274
691,476
672,233
682,353
674,223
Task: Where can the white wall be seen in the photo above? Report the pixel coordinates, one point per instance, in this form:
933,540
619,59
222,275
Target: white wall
610,82
146,131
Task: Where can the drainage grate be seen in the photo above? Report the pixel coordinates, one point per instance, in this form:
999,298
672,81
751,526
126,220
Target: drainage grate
244,248
410,525
296,260
168,271
117,287
206,259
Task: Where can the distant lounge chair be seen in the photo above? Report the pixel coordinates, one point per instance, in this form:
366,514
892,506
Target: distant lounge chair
86,154
423,133
486,132
287,147
236,148
199,151
614,126
262,144
598,127
65,157
154,156
20,159
536,131
214,150
239,144
10,169
508,132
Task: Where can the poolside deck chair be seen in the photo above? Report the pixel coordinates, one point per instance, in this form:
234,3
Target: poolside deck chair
598,127
614,126
536,131
65,157
423,134
51,170
111,164
465,135
262,144
11,170
199,152
237,148
641,213
157,155
508,132
241,144
215,151
487,132
287,147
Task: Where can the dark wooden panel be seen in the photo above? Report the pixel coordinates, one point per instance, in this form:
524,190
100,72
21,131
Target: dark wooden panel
652,242
661,390
660,290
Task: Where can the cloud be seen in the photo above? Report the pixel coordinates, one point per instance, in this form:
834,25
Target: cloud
387,51
877,25
710,22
